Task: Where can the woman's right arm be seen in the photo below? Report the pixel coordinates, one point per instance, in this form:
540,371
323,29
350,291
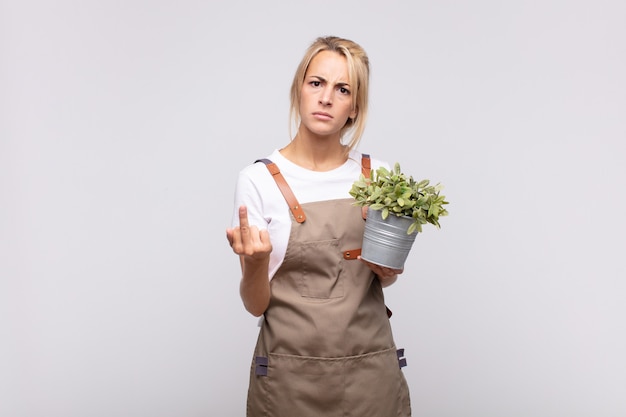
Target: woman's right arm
253,247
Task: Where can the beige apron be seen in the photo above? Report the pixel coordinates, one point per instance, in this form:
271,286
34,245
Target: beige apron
325,347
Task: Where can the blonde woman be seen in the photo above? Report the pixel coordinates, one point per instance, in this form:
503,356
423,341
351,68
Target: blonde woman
325,347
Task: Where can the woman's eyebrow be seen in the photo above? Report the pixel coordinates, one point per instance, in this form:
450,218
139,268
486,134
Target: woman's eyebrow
320,78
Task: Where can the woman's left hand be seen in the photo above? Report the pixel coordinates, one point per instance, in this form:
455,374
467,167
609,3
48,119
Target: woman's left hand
387,276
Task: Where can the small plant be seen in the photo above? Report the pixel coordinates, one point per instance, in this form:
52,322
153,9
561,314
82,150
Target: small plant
396,193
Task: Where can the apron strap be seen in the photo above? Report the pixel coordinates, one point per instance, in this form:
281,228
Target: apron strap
366,168
366,165
401,358
351,254
294,206
261,364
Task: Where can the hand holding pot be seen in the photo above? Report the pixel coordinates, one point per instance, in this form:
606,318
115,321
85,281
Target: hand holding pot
387,276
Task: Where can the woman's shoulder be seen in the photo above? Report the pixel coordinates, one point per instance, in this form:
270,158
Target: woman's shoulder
259,165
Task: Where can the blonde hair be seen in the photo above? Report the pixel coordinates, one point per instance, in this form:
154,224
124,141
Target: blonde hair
358,73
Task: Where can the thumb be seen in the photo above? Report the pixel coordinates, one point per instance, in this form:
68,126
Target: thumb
264,236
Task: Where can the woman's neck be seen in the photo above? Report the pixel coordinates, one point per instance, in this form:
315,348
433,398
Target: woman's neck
315,154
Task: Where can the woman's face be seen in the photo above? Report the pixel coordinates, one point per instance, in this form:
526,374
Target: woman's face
326,95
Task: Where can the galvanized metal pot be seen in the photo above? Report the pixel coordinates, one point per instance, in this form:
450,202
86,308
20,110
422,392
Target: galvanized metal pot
385,242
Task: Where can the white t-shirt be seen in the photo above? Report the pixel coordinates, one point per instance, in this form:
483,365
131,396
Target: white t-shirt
267,208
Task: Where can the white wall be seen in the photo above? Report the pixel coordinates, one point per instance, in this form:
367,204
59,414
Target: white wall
123,125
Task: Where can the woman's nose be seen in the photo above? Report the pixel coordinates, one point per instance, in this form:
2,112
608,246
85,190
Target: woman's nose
327,97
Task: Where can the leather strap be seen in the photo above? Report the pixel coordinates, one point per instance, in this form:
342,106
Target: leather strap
294,206
349,255
366,168
366,165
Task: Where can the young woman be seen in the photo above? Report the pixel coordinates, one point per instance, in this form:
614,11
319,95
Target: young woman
325,346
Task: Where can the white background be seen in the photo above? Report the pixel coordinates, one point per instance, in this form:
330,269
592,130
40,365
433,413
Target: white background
124,123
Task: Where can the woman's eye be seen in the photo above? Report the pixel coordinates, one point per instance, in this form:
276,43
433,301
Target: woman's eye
344,90
315,83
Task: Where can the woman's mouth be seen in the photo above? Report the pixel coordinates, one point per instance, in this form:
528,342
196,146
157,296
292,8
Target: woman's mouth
322,116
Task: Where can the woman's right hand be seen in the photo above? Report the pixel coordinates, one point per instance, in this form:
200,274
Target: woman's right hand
253,247
248,241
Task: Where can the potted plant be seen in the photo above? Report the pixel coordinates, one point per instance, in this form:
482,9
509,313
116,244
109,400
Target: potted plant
398,206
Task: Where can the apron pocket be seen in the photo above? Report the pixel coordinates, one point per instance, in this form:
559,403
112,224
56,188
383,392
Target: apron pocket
375,386
304,386
321,270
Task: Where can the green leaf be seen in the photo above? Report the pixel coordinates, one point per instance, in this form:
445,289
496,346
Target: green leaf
395,192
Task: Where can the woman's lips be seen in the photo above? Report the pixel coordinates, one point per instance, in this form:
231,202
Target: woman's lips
322,116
